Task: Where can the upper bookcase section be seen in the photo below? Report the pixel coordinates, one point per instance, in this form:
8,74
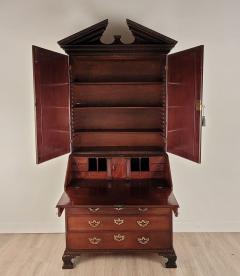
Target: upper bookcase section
88,41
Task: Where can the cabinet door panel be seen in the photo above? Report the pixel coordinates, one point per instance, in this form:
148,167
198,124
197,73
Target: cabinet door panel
52,103
184,90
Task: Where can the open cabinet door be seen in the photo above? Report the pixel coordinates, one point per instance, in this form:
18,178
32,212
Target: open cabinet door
184,90
51,80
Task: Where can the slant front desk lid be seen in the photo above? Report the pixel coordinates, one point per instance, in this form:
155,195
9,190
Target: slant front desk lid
90,193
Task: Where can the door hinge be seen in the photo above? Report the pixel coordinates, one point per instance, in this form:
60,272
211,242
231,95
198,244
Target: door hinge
199,105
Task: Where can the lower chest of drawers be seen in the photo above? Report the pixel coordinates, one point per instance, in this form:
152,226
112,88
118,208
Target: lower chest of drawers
122,229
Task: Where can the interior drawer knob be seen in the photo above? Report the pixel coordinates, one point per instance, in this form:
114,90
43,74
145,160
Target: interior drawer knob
94,223
143,240
118,221
119,237
143,209
94,240
143,223
93,210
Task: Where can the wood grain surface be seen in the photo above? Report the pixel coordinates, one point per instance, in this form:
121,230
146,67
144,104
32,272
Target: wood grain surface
199,254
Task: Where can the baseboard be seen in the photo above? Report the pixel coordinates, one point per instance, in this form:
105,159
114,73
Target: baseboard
32,227
206,226
179,226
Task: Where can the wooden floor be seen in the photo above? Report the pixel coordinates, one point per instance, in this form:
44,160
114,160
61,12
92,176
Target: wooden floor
214,254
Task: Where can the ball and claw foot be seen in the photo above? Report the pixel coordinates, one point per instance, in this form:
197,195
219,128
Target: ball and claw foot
171,259
67,261
171,263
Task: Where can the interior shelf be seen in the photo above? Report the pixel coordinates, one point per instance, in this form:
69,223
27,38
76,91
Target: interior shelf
76,131
123,151
124,69
117,94
118,118
118,83
119,106
118,138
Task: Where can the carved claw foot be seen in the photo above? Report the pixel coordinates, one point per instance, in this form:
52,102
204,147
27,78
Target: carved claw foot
171,263
67,261
172,258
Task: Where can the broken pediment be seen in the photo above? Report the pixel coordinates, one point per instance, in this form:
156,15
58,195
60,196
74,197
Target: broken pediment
89,40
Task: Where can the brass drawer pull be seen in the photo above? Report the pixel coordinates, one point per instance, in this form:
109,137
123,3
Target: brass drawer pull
118,209
93,209
119,237
118,221
143,240
143,209
143,223
94,240
94,223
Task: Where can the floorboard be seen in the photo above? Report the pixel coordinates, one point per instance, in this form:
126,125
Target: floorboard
199,254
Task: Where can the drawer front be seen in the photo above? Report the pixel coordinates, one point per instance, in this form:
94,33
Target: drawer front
123,223
119,210
119,240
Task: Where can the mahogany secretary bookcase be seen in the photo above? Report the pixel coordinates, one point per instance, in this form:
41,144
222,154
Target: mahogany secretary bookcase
118,108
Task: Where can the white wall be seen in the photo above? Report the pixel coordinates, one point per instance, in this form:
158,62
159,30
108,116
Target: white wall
208,193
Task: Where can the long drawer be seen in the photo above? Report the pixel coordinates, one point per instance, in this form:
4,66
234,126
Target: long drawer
119,210
119,240
118,222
